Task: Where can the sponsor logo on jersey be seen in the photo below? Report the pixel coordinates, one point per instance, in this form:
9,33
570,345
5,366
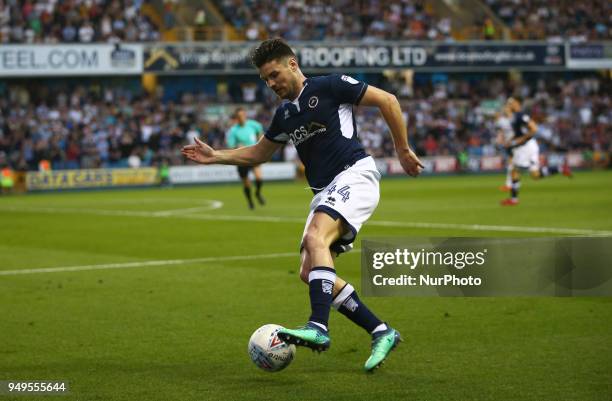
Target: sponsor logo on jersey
302,134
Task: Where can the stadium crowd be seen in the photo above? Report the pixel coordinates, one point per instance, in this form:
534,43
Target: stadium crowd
556,20
458,116
366,21
74,21
83,128
372,20
86,21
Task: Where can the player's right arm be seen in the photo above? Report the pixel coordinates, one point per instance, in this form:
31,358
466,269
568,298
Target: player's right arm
202,153
392,113
346,89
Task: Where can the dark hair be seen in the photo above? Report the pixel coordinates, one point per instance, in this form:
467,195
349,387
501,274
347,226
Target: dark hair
518,98
269,50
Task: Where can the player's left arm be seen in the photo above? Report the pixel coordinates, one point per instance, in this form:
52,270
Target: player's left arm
390,108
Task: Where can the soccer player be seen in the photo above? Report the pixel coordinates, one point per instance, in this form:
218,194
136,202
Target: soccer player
317,116
247,132
525,151
505,133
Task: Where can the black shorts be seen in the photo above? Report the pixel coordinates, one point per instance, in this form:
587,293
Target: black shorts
243,171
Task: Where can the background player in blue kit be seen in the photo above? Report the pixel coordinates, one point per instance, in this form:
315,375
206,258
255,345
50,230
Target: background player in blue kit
246,132
317,116
524,150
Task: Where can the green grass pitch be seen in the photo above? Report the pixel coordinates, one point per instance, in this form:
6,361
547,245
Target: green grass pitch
177,328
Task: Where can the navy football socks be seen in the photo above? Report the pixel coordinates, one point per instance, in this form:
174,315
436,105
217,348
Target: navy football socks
514,189
348,303
260,199
249,198
546,171
321,285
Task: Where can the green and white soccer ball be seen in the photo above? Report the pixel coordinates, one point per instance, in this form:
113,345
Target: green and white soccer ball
267,351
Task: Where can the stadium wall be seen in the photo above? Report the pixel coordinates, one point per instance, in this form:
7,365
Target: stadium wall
225,58
214,174
149,176
473,164
91,178
70,60
179,175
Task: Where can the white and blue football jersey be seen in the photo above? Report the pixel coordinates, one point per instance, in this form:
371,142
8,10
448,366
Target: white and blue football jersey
321,125
520,124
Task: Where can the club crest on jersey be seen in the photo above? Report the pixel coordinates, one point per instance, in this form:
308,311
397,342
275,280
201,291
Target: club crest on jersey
313,101
286,114
350,80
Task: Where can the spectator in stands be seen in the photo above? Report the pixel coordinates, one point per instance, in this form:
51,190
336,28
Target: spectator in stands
86,32
488,29
169,14
200,18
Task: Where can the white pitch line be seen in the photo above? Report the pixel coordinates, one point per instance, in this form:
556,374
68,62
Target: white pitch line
110,212
270,219
274,219
212,206
407,224
149,263
483,227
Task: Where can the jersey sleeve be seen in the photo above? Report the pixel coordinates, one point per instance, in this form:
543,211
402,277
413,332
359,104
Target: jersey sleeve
275,132
524,124
230,138
346,89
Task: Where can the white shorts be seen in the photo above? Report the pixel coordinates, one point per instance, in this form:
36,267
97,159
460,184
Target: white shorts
352,196
527,155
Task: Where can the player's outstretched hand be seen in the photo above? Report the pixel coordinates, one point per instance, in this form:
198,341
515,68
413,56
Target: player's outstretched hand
199,152
410,162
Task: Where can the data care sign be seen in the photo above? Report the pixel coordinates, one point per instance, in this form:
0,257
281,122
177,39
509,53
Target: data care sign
70,60
543,266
